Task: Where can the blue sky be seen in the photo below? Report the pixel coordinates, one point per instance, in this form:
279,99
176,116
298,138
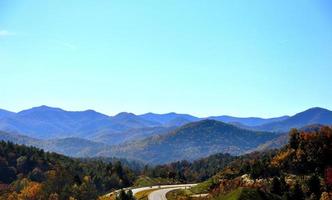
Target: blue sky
243,58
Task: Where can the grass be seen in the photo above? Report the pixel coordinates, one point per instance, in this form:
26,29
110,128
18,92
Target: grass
143,195
177,194
106,197
182,194
203,187
144,181
200,188
247,194
234,195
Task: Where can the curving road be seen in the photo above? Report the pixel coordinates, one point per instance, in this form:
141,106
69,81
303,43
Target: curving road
161,194
158,194
136,190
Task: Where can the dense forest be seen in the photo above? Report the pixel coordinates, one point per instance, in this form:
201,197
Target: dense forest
300,170
190,172
191,142
31,173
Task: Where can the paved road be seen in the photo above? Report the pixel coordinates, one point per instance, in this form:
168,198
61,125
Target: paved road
161,194
136,190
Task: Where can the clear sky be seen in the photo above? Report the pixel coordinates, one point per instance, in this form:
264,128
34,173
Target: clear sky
243,58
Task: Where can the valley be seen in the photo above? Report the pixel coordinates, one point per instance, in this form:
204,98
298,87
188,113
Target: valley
151,138
165,100
154,155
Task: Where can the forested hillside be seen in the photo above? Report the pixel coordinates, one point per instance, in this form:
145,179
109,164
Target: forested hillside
301,170
190,172
193,141
31,173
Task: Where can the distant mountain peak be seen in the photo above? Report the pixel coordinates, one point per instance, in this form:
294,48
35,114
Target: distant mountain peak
247,121
208,122
5,113
3,110
315,115
172,113
42,108
125,114
313,111
157,114
149,113
317,109
90,110
45,107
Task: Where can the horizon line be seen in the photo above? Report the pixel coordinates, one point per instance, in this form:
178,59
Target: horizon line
150,112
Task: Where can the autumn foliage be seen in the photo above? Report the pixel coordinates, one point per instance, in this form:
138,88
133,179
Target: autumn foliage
28,173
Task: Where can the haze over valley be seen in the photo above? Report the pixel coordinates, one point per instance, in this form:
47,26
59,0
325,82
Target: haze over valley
150,138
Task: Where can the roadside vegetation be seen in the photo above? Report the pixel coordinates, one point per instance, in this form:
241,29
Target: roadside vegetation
143,195
178,194
247,194
299,171
190,172
145,181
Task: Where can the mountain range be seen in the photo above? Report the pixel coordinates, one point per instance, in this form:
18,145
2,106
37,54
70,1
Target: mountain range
75,147
192,141
51,123
305,118
5,113
47,122
248,121
153,138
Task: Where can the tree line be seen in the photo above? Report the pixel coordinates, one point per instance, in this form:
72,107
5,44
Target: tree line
31,173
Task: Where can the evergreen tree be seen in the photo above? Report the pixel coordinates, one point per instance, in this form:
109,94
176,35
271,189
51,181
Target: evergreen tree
294,138
286,196
314,185
276,186
123,195
283,185
297,193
